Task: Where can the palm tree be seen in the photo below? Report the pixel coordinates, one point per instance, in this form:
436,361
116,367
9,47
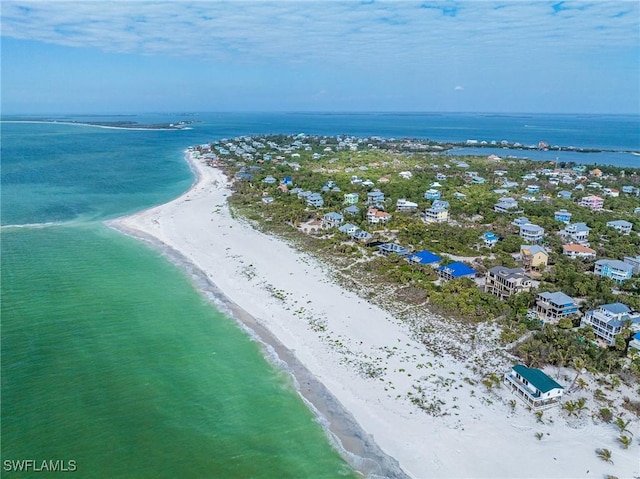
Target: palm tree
604,454
622,425
625,441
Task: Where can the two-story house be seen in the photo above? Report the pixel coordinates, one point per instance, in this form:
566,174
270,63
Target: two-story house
576,233
621,226
534,257
504,282
563,215
532,233
615,269
553,306
593,202
608,320
533,387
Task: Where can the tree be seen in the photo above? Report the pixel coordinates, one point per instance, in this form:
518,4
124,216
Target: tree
604,454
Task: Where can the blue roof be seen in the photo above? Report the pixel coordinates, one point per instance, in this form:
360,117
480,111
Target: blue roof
424,257
490,235
616,308
457,269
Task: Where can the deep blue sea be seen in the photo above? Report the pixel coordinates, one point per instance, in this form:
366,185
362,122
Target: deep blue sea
110,357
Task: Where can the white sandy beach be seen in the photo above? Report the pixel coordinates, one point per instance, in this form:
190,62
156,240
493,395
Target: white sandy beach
340,337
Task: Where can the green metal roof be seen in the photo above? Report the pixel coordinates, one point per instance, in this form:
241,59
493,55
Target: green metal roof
537,378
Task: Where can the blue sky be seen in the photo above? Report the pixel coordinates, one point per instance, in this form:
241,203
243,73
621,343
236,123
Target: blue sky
508,56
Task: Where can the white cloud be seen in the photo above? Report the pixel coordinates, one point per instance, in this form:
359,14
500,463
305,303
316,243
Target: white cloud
334,32
459,88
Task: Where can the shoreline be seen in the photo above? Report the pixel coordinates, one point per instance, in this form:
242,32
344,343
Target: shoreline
367,360
352,442
95,125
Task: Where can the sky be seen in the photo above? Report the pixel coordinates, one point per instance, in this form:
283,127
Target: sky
432,56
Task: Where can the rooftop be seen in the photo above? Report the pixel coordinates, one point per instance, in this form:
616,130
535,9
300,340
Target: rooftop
537,378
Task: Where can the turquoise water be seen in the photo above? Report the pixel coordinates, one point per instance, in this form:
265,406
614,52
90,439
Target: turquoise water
109,356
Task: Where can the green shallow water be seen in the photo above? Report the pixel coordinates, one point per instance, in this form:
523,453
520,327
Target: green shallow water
112,359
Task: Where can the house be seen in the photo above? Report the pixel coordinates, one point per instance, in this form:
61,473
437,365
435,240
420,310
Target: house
392,248
352,210
631,190
424,257
459,195
270,180
375,197
533,387
331,220
510,184
375,216
267,199
348,228
634,344
634,262
576,233
489,239
351,198
579,251
532,233
522,220
407,175
617,270
532,189
478,180
564,194
315,199
533,257
506,205
440,204
431,194
614,193
592,201
404,205
563,215
441,177
504,282
456,270
597,172
553,306
288,181
362,236
435,215
608,320
621,226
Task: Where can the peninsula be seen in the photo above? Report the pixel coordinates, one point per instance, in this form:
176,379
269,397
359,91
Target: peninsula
414,286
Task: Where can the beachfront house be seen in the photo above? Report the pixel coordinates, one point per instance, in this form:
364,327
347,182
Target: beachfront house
392,248
554,306
593,202
621,226
431,194
362,236
456,270
504,282
348,228
536,389
576,233
563,215
578,251
375,216
424,257
331,220
534,257
405,205
617,270
608,320
532,233
489,238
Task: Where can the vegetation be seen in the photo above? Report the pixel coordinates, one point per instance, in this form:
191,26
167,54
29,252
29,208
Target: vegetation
315,162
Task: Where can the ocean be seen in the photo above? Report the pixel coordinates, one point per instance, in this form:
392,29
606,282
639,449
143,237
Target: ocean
110,356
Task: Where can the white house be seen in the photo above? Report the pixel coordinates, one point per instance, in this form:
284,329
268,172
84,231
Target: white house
608,320
375,216
405,205
621,226
533,387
